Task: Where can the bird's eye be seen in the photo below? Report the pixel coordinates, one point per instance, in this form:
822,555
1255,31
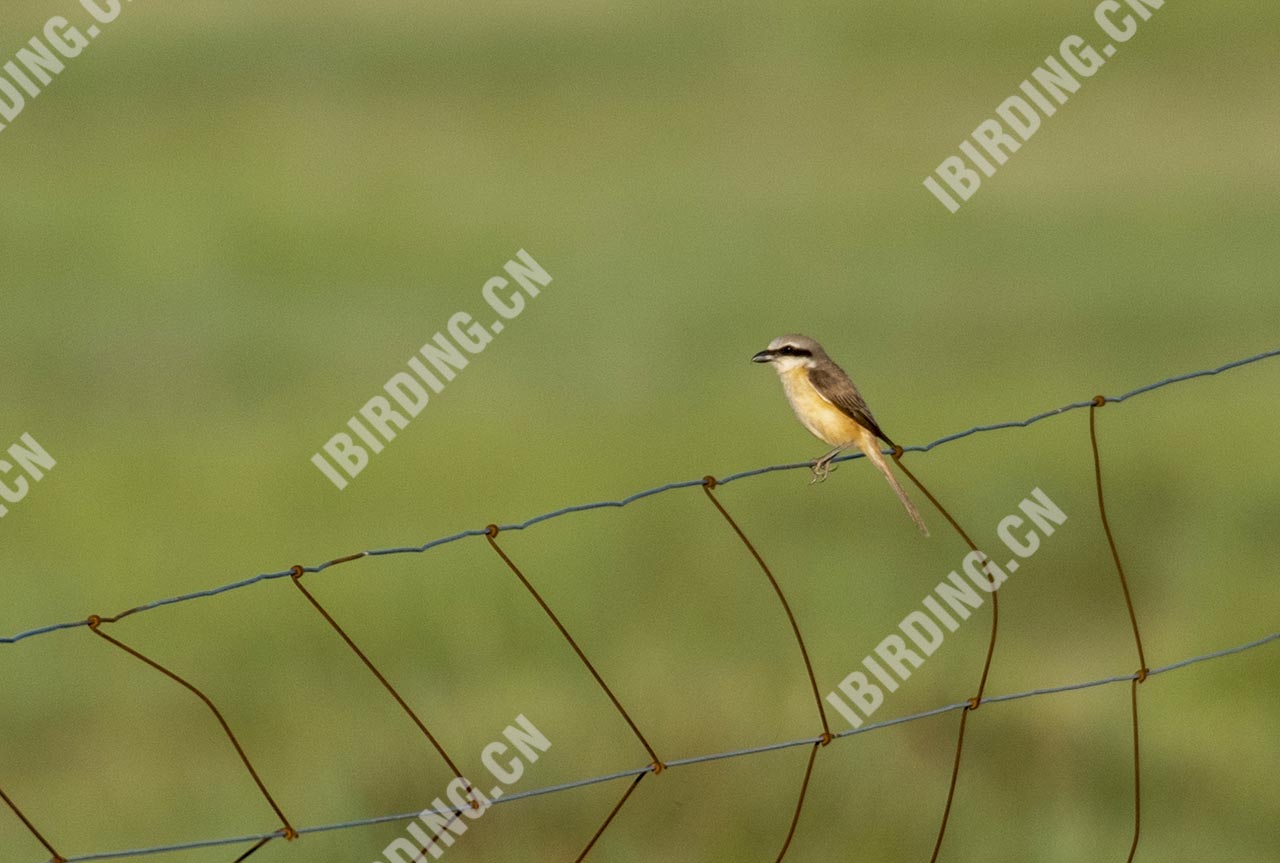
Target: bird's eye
787,349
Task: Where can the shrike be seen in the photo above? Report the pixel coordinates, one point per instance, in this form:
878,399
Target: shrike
828,404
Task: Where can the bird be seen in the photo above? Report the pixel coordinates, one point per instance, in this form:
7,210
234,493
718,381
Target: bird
828,404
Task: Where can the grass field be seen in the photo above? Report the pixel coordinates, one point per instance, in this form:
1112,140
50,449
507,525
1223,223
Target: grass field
224,228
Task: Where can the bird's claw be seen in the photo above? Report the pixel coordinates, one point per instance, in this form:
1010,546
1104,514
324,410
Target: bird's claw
821,470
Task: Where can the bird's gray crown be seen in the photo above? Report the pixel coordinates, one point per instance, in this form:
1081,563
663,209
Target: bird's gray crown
798,342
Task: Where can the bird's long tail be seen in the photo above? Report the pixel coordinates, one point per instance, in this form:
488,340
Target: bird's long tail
871,450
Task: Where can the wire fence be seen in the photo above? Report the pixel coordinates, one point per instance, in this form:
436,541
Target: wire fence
656,765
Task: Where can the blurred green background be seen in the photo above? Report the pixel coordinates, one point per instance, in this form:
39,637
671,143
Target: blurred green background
224,226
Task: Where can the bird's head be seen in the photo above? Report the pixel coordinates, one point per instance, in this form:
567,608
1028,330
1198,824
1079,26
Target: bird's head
790,352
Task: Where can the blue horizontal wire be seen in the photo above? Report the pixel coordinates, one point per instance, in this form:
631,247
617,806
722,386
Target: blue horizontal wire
671,486
680,762
179,846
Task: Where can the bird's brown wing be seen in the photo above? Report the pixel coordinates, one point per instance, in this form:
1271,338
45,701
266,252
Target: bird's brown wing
835,387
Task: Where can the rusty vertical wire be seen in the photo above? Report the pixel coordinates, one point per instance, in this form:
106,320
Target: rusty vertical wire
976,700
609,819
951,787
421,856
1137,769
1143,670
708,486
804,787
256,846
1099,401
57,858
95,626
491,533
296,577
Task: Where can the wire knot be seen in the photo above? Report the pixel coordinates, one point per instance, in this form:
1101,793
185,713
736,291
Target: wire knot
657,767
709,481
1142,674
973,703
289,833
826,738
491,531
94,621
296,571
897,452
1099,401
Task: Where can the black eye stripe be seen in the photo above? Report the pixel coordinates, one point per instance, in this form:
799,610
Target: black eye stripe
790,351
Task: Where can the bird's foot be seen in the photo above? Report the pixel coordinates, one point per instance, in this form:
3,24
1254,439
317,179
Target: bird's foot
822,469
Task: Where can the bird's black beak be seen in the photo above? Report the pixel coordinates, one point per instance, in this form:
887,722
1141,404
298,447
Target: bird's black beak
762,357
